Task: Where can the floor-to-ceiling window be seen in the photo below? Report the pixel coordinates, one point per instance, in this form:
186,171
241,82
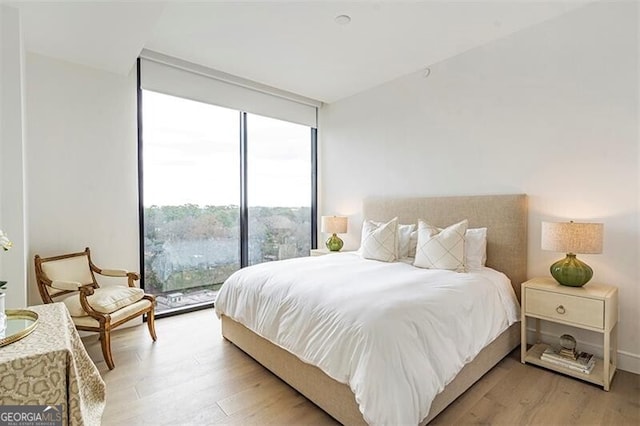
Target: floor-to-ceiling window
190,198
220,189
278,189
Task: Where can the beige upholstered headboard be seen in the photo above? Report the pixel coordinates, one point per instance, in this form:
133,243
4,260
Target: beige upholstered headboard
505,217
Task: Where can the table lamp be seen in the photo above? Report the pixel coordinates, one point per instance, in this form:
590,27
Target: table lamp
334,225
572,238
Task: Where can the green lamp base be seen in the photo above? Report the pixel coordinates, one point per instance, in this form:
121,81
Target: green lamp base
571,272
334,243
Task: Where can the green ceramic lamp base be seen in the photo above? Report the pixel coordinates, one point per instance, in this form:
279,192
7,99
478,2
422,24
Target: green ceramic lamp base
334,243
571,272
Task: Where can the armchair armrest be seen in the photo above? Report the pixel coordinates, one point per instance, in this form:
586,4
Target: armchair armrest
121,273
113,272
66,285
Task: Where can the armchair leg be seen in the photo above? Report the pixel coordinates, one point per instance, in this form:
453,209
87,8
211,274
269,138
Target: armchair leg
151,324
105,341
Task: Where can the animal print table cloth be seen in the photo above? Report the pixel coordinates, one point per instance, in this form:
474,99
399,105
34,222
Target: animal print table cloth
51,367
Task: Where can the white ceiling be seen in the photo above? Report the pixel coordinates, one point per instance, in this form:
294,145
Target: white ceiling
293,46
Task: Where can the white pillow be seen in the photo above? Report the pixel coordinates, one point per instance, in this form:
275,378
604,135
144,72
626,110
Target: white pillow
404,240
380,240
441,248
413,243
475,248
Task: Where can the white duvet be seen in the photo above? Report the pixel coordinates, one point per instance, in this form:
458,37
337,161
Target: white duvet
396,334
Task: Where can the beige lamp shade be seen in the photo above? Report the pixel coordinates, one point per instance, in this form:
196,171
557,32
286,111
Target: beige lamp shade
571,237
334,224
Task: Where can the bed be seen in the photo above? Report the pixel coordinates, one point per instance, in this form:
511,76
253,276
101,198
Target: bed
505,216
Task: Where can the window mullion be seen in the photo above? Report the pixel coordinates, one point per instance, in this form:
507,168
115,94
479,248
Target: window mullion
244,201
314,188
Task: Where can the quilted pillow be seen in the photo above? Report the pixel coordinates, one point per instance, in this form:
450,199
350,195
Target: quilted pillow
441,248
105,300
475,247
380,240
403,239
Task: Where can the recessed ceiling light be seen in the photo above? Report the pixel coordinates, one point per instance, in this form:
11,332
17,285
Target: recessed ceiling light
343,19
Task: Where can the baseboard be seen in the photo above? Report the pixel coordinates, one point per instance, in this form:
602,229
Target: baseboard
627,361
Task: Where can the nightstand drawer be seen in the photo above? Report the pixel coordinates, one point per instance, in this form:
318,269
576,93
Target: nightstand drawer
565,308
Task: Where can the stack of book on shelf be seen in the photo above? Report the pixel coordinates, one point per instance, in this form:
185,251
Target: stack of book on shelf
583,362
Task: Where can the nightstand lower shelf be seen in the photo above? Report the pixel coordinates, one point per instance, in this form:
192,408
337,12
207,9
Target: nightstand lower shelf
596,376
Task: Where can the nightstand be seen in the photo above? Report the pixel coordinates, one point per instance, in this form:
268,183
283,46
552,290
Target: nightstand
592,307
323,251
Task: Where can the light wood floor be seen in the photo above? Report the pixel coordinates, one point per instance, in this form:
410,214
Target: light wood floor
191,376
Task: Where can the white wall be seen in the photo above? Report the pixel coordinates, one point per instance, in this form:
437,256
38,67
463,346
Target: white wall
13,264
82,163
551,111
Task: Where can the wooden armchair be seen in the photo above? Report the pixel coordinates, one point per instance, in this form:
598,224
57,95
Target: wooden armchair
70,279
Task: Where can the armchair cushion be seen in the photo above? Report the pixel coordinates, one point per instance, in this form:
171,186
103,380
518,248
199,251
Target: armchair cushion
104,299
116,316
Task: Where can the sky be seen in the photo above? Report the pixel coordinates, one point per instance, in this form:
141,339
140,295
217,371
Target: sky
191,154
